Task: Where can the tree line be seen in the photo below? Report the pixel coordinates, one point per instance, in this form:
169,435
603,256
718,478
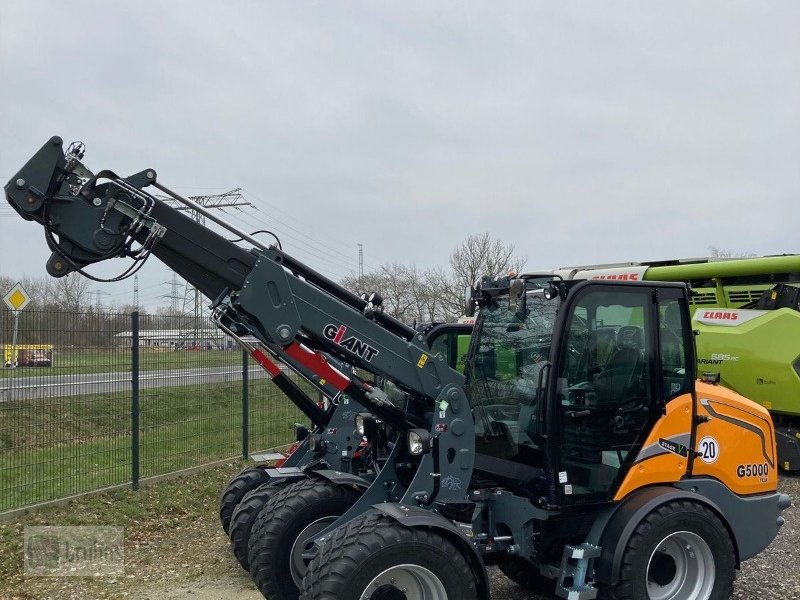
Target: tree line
415,295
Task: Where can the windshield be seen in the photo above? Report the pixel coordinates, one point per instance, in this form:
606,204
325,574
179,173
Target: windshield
508,353
507,345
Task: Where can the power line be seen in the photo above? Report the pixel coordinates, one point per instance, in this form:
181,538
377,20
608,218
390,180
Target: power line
303,247
173,296
230,199
97,294
342,246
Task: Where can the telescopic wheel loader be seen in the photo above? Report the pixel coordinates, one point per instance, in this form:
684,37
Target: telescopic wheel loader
126,216
574,472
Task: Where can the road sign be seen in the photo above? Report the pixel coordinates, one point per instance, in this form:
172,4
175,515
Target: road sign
17,298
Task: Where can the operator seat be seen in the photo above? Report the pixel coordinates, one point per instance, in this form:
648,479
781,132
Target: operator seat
618,375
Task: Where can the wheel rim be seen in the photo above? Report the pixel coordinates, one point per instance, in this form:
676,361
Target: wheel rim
298,566
405,582
681,568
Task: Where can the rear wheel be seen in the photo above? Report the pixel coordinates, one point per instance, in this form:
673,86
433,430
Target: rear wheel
293,515
525,575
375,558
680,551
248,479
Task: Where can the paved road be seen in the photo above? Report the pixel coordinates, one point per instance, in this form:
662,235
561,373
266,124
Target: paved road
50,386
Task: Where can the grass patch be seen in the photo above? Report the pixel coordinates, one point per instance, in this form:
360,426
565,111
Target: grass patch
74,361
51,448
185,507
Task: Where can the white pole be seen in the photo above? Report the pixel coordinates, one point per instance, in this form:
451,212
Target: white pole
13,355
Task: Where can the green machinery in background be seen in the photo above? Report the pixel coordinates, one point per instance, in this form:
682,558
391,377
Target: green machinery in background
747,315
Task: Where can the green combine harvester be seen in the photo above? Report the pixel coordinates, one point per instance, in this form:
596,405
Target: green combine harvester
747,313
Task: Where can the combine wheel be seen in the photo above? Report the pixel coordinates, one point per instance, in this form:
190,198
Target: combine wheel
374,558
248,479
294,514
525,575
244,515
680,551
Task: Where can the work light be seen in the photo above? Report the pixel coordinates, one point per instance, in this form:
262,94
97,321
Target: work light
419,441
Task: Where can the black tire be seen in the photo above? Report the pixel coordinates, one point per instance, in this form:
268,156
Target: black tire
313,503
527,576
675,519
244,515
248,479
351,560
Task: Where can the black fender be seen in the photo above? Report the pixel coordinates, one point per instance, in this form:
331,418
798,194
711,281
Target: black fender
341,478
285,474
752,521
414,517
613,527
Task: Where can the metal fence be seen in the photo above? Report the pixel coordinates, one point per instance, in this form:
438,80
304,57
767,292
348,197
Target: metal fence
94,399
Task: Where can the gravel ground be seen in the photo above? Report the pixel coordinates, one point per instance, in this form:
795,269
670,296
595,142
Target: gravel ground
772,575
176,550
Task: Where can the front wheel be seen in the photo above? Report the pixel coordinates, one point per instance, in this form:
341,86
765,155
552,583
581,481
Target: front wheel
293,515
680,551
375,558
248,479
244,515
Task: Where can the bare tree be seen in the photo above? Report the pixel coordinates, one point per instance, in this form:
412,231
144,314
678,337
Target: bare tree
423,296
409,294
73,292
40,290
718,252
478,255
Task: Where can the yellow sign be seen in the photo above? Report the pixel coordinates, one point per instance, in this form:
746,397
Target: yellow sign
422,360
17,298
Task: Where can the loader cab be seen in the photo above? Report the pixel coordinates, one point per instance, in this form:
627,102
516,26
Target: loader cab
569,384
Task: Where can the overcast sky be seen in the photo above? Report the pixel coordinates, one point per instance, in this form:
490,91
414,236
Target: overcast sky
581,132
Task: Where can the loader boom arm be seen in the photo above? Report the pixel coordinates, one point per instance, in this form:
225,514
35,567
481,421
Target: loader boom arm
296,312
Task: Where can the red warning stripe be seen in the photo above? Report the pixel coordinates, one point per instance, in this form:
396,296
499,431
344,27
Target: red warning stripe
265,362
317,363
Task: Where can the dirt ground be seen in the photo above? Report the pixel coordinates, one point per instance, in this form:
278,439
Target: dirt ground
176,550
772,575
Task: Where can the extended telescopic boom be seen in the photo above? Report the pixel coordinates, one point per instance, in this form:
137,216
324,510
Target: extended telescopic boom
294,311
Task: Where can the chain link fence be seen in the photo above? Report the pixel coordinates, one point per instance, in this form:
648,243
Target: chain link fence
95,399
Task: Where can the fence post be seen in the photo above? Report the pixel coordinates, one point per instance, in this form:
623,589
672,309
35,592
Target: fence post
245,405
135,399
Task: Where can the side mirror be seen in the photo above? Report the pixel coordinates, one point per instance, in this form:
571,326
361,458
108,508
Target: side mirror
516,296
469,301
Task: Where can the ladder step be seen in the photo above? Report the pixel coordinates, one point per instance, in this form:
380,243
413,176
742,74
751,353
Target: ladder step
583,551
587,592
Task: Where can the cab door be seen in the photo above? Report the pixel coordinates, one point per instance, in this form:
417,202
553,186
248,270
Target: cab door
602,395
